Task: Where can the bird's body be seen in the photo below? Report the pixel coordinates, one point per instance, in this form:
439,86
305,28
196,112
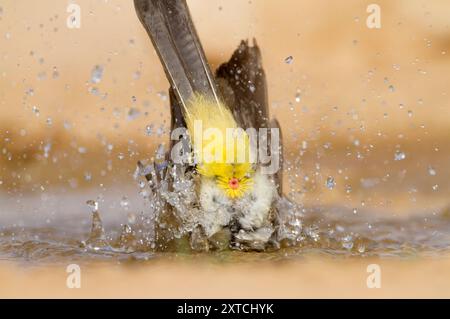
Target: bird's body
220,156
251,210
230,189
233,192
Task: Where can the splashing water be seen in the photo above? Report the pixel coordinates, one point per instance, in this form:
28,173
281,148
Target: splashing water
332,233
167,226
152,233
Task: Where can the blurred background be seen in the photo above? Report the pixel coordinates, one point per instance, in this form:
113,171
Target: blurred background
365,112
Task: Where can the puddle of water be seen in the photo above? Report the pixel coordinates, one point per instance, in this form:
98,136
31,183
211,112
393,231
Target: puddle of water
82,236
124,224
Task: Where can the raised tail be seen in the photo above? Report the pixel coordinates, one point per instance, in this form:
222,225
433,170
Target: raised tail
170,27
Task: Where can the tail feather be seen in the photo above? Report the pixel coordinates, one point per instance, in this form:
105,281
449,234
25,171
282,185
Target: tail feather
173,34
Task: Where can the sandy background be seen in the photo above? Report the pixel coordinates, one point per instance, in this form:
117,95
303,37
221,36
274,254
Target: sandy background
311,278
383,87
365,94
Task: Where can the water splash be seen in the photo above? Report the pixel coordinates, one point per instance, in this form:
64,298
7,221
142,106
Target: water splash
169,224
331,232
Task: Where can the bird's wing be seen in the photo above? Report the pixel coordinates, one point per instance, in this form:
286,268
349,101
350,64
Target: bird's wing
242,82
170,27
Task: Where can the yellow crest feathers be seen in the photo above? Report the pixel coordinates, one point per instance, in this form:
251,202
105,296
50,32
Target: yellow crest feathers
221,148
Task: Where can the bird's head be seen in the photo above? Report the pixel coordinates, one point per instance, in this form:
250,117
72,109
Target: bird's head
233,179
224,149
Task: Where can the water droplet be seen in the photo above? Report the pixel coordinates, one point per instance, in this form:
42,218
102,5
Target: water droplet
304,145
160,152
29,91
94,91
422,71
289,59
124,203
361,248
55,73
162,95
330,183
96,74
355,211
160,131
435,187
116,112
410,113
391,88
136,75
298,97
35,110
67,125
347,242
73,182
133,114
149,130
348,189
251,87
131,218
431,171
97,238
143,170
399,156
142,184
93,205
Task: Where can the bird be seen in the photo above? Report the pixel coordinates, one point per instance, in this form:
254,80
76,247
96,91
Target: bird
235,197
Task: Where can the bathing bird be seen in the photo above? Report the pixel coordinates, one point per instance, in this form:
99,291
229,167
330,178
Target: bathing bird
235,196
